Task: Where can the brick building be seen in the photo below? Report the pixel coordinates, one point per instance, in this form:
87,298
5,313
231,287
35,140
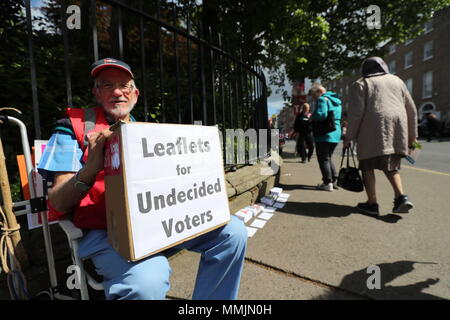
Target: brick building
423,63
286,119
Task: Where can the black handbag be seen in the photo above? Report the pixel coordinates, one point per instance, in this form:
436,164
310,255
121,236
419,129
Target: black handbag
349,178
323,127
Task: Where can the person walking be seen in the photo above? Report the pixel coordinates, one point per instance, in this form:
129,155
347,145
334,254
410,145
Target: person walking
382,120
433,127
303,130
325,144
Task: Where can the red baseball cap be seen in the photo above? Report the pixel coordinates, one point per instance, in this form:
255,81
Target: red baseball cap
102,64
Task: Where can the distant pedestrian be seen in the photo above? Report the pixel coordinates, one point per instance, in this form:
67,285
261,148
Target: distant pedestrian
344,126
325,144
422,126
382,119
433,127
303,130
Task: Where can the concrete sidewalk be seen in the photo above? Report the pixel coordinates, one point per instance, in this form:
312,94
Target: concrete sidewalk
320,247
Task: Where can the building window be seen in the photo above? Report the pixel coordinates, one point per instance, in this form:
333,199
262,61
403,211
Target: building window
392,48
428,50
409,85
408,41
392,66
428,26
425,108
408,60
427,84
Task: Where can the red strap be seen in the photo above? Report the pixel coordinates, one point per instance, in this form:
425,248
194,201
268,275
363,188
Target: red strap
101,123
76,116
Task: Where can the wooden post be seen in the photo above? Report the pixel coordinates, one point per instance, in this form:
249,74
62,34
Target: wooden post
7,208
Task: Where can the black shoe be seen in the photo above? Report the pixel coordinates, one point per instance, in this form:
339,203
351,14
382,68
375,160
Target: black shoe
371,209
303,161
402,204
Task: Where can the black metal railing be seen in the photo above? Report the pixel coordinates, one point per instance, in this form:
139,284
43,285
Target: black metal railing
185,73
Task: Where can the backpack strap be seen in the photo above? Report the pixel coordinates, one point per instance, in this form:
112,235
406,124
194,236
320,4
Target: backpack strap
86,120
90,118
76,116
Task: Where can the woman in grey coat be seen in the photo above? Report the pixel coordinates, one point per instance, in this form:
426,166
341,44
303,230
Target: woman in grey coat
382,120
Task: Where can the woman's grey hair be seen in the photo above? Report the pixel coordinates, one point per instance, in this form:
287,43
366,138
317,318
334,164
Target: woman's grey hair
316,88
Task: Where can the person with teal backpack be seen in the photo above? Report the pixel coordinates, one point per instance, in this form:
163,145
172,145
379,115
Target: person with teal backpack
327,113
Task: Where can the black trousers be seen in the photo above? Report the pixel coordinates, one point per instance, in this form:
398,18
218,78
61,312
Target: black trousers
324,151
433,133
305,146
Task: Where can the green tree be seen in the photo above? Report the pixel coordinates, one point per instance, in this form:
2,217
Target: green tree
316,38
15,86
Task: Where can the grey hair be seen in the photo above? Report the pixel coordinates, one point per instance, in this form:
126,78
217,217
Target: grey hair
317,87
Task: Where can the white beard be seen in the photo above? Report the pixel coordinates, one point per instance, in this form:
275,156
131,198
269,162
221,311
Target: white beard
120,113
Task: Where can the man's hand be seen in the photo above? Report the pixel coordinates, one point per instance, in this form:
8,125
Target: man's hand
63,196
94,162
347,143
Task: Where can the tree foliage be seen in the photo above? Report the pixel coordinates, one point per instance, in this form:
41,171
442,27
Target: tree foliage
316,38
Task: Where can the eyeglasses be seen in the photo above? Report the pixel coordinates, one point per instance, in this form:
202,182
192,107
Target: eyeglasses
111,86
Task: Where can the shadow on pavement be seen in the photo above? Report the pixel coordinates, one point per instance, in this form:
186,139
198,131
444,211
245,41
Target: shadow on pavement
290,156
328,210
318,209
357,282
289,187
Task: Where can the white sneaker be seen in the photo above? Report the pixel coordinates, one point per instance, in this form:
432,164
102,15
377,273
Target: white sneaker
326,187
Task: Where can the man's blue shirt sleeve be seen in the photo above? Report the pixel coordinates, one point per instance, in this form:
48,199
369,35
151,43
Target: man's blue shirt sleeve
61,154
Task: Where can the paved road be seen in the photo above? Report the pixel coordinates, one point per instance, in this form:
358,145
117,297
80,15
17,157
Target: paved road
435,156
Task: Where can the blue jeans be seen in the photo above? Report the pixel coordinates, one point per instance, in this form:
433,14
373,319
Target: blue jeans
324,151
218,277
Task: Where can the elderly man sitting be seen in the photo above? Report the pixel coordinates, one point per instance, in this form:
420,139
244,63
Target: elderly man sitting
74,160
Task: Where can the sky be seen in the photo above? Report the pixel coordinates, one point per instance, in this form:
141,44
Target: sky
36,11
275,102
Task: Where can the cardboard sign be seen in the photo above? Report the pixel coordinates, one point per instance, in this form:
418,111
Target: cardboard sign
165,184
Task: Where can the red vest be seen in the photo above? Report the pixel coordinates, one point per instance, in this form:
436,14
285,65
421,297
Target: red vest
91,211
